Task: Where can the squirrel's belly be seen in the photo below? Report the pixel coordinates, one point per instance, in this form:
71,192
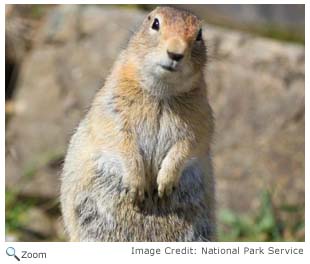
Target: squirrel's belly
105,215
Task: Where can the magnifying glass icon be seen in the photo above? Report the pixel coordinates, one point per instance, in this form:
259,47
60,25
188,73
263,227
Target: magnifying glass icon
10,251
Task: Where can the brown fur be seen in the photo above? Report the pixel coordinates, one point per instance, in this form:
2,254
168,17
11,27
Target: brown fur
130,162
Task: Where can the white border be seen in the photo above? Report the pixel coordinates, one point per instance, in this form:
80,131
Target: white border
307,83
111,252
163,2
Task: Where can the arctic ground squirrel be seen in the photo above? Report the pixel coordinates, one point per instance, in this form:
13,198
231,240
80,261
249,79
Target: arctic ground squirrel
138,167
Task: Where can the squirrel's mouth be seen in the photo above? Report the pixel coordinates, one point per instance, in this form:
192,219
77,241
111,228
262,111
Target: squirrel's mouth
168,68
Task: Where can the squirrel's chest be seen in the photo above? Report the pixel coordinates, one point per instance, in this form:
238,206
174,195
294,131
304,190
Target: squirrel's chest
157,129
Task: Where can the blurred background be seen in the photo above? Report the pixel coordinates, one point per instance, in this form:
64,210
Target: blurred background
57,57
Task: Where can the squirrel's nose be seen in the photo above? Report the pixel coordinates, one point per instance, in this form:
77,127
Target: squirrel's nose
175,56
176,48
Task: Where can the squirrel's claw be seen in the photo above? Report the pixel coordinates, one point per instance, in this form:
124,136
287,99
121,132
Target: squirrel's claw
165,190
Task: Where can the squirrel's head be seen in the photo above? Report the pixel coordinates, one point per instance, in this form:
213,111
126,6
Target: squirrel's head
170,50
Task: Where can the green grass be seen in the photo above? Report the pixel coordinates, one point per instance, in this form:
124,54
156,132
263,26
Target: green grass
16,207
274,32
285,223
17,215
15,211
269,224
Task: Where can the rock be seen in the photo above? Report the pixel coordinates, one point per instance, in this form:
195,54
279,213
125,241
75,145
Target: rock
284,17
58,80
257,92
19,34
256,89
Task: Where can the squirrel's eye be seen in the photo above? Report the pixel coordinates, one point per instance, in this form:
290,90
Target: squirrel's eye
155,24
199,35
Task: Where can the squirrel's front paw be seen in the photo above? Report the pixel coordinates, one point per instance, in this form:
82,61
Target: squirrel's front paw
135,187
167,182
